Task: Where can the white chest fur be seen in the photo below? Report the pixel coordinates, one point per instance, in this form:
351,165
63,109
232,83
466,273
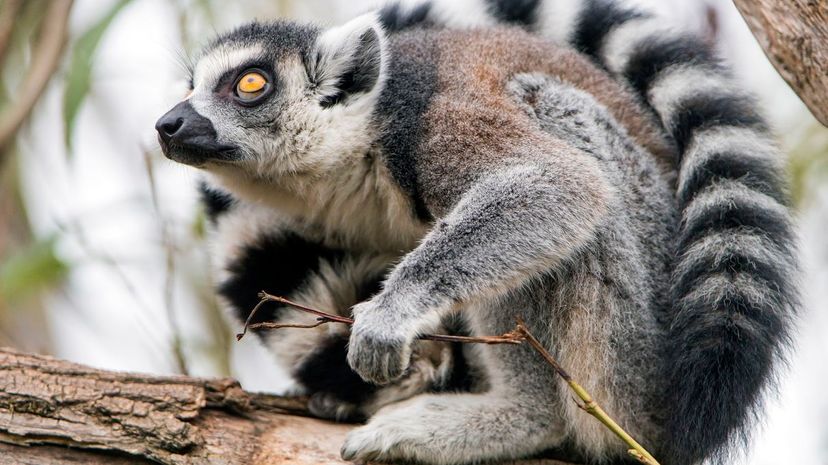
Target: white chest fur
359,207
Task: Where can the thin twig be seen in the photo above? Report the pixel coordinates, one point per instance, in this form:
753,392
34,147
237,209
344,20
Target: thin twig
167,240
517,336
511,337
267,325
74,229
46,57
589,406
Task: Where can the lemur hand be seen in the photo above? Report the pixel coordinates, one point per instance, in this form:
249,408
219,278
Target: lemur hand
380,346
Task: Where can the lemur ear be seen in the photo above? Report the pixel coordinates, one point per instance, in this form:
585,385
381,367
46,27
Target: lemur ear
347,60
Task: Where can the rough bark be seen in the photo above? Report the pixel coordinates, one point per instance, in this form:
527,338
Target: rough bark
57,412
794,35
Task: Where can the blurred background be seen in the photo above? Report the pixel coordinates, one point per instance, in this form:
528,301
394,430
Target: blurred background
102,253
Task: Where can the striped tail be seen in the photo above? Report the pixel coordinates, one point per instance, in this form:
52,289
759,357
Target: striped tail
734,295
733,289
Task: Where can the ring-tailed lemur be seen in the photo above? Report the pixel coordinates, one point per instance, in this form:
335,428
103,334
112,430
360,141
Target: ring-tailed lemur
600,176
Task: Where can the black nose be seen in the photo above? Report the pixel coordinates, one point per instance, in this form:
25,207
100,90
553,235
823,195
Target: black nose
182,124
168,125
188,137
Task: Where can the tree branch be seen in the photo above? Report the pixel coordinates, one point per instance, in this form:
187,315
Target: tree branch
324,318
794,36
589,406
46,57
8,13
125,418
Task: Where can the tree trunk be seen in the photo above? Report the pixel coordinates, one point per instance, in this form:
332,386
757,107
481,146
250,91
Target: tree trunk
794,35
116,418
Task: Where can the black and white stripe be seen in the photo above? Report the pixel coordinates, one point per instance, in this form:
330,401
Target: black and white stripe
733,287
284,264
395,17
278,264
519,12
734,293
214,202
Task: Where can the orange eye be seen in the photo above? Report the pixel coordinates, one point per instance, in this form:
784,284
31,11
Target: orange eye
251,86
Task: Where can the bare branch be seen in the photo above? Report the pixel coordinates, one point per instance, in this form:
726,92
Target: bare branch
794,36
266,325
168,241
590,406
8,14
46,55
511,337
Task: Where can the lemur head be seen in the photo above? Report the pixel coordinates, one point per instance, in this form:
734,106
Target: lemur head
278,99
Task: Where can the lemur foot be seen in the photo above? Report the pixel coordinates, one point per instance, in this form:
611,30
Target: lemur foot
452,428
401,433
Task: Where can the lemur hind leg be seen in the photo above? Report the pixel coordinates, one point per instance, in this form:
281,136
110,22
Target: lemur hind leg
528,409
518,416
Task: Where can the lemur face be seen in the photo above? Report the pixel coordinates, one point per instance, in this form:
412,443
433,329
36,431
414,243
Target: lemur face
279,99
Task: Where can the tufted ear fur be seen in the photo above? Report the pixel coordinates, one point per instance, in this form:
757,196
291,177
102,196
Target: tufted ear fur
347,60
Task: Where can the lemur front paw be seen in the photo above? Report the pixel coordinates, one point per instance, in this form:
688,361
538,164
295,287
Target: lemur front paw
379,350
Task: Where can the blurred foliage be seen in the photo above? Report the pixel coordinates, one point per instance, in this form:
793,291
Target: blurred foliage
31,270
193,17
79,74
808,163
19,47
25,269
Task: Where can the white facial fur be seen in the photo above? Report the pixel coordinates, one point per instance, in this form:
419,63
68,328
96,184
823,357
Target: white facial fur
291,133
300,156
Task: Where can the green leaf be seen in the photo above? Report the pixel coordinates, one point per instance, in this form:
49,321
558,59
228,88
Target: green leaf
32,269
78,78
